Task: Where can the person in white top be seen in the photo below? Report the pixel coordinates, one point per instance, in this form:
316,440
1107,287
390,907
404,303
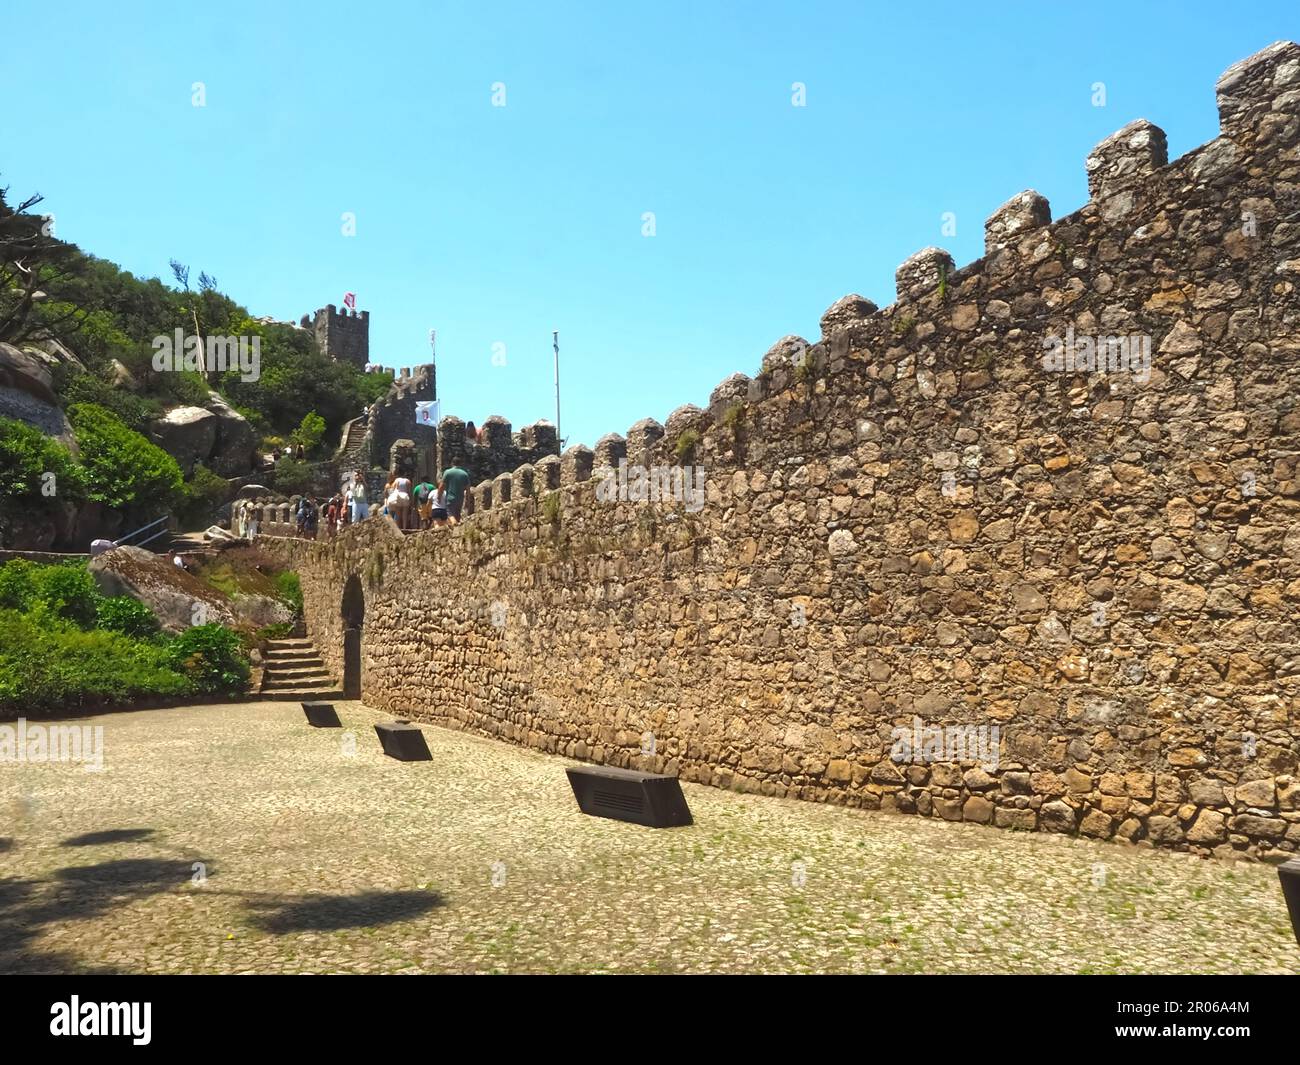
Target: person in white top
357,496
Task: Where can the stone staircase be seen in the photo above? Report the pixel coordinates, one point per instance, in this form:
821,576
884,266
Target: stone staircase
353,453
294,670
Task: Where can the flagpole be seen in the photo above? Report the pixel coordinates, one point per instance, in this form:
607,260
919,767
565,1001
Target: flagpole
555,341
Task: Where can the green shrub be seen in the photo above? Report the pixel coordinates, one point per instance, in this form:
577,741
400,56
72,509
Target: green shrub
279,631
26,456
292,477
290,589
46,669
136,413
18,584
123,468
204,492
310,432
126,616
686,444
551,508
65,591
212,659
68,591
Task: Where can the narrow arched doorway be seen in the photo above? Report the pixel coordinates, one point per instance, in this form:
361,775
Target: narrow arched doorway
353,611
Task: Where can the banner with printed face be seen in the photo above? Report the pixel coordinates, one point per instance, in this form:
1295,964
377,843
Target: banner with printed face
426,413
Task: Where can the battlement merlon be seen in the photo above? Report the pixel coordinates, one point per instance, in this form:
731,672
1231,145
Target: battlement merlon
1259,97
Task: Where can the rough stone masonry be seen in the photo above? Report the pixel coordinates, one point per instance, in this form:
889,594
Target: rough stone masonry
927,520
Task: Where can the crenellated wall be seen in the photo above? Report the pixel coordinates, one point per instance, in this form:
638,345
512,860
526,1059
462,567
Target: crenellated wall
917,522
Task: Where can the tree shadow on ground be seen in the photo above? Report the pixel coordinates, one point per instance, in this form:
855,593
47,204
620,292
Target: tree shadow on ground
75,893
329,913
112,835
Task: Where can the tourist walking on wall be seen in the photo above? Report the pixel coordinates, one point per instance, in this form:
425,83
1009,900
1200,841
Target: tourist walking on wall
456,481
357,493
438,515
398,500
422,495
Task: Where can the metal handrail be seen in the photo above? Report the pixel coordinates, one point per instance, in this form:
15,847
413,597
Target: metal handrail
122,540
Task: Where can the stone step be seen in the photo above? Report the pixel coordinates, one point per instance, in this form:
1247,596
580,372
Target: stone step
302,694
310,672
297,684
291,675
290,657
294,668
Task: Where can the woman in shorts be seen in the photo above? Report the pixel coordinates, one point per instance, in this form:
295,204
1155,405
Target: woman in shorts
439,513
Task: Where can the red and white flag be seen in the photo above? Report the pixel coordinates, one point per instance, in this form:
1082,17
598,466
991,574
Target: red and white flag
350,300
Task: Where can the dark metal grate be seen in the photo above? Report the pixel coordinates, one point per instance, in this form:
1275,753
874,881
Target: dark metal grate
613,800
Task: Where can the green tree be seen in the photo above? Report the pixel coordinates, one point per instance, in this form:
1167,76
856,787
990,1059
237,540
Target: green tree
124,470
310,431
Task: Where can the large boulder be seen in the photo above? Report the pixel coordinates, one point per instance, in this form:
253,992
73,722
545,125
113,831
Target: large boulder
27,387
235,450
21,404
95,521
28,528
54,353
178,597
259,611
24,371
188,434
120,377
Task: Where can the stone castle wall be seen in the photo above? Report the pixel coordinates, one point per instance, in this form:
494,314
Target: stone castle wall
393,417
502,450
913,523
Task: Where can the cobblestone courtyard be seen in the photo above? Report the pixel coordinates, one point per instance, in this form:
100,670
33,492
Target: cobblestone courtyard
479,861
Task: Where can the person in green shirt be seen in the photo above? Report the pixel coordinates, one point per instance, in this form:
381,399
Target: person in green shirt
456,482
423,494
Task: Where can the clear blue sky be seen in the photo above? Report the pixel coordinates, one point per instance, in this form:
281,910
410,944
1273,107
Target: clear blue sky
497,225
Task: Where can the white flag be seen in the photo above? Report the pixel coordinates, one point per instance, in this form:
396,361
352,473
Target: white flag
426,413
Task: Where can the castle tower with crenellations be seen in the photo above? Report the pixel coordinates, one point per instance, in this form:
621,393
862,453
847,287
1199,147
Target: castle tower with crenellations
342,335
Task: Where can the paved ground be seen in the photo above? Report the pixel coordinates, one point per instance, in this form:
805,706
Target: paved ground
317,861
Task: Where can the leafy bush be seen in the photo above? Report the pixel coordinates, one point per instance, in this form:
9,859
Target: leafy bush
53,669
135,412
123,468
290,589
18,584
69,591
279,631
686,444
310,432
292,477
212,659
26,456
65,591
205,491
53,657
126,616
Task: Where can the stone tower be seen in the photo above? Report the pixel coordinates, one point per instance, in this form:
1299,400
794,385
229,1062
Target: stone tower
342,335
